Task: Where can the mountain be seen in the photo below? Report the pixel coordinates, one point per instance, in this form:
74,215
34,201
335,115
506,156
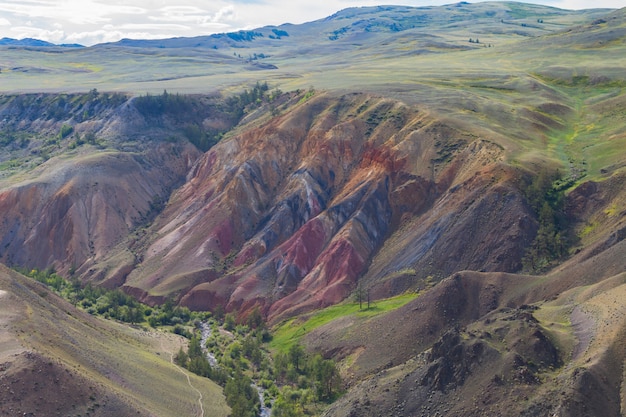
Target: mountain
481,350
24,42
362,24
319,202
249,227
33,42
386,155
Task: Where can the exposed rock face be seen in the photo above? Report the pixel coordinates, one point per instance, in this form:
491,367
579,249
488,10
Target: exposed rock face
493,343
109,173
289,215
454,303
483,358
78,211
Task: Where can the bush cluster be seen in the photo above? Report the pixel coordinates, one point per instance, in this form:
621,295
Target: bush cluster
545,196
189,112
292,383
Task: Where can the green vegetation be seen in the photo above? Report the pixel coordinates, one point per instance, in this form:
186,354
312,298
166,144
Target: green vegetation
174,105
279,34
189,112
292,331
244,35
293,381
304,378
247,100
241,396
10,164
186,111
382,114
545,196
60,107
8,137
196,361
65,131
310,93
27,148
115,304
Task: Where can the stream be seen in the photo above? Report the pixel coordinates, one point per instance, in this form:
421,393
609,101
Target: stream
206,333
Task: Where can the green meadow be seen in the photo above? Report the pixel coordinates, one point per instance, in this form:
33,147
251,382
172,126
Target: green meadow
293,330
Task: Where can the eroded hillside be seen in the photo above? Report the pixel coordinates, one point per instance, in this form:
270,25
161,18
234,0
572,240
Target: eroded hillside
77,177
293,210
289,215
488,181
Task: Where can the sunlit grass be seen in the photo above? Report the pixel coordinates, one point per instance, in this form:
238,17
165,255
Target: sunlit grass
291,331
555,320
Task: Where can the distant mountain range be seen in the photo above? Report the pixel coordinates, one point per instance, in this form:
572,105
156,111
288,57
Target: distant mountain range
35,42
356,24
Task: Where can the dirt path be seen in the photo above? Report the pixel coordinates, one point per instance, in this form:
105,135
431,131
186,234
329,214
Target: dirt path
182,371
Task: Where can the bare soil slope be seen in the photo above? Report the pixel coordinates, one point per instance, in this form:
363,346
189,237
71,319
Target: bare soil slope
288,215
471,346
57,361
501,344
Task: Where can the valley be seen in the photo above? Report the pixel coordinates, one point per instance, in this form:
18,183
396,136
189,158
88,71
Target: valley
472,192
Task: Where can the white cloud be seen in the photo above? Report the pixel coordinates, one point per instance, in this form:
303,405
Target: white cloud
96,36
225,13
54,36
181,10
183,14
74,11
216,27
586,4
4,22
147,27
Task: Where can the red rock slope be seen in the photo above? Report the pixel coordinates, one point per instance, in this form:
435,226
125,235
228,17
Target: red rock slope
290,213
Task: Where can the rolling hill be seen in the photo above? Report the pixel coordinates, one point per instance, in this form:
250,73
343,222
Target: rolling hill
470,154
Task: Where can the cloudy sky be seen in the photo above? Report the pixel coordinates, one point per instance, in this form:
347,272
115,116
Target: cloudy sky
94,21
